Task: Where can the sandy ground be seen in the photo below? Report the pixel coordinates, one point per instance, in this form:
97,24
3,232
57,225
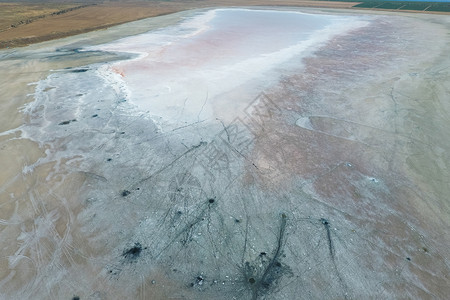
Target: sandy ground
351,203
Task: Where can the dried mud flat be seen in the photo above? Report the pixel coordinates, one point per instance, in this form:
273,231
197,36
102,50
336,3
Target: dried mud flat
332,183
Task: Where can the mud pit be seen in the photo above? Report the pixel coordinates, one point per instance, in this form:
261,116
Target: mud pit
327,178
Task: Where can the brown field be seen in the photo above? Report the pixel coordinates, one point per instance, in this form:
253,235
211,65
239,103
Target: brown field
103,15
13,14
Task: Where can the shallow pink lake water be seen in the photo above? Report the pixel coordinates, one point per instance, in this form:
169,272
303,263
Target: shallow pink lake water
181,71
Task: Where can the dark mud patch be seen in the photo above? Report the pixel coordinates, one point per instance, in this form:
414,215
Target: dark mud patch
132,253
79,70
67,122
